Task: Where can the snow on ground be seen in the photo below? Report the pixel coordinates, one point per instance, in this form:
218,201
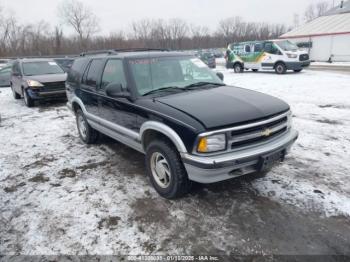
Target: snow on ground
59,196
320,103
342,64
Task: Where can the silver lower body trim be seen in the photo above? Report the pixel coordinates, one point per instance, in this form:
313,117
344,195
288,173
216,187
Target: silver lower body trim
116,132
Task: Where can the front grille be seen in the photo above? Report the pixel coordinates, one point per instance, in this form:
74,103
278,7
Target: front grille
256,133
303,57
53,86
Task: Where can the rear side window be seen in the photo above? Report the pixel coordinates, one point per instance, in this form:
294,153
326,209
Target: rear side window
247,48
113,73
93,73
258,47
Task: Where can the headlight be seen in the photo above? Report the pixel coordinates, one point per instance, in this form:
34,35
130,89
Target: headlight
212,143
33,83
292,55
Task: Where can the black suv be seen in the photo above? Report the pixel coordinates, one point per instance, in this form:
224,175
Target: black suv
180,114
37,79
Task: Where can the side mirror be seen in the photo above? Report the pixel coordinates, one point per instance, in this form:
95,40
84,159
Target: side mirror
116,90
220,75
15,73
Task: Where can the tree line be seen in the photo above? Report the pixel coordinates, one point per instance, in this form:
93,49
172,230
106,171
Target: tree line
41,39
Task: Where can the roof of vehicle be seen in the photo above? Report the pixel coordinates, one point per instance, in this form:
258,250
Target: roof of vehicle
139,53
63,58
252,42
27,60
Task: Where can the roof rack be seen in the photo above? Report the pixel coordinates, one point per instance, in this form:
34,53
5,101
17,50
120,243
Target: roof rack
116,51
98,52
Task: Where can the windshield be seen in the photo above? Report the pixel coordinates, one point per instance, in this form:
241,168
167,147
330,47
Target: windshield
177,72
41,68
287,45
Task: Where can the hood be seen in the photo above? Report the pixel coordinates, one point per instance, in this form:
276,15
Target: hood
48,78
225,106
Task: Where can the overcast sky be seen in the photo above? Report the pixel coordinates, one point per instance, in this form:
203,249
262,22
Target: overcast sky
118,14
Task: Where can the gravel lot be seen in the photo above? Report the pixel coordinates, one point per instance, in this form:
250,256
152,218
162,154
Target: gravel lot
59,196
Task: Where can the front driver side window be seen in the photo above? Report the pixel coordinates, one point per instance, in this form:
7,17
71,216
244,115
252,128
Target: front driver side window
271,49
113,73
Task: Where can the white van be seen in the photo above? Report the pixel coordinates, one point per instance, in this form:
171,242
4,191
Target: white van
280,55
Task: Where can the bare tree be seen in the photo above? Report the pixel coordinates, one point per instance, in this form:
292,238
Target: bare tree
296,20
231,28
75,14
316,10
178,31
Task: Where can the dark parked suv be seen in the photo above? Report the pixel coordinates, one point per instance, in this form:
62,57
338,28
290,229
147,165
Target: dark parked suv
174,109
37,79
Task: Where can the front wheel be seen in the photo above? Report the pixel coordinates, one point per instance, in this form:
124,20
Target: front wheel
15,94
166,170
255,70
280,68
86,132
27,99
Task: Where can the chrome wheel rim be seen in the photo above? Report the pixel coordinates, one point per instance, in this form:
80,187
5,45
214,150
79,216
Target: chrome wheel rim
82,126
160,170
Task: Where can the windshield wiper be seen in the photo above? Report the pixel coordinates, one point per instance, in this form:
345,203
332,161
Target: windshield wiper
200,84
167,88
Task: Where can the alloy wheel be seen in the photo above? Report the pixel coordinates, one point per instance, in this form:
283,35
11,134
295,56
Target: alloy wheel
160,170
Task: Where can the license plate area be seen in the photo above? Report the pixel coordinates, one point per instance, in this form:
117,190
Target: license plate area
269,160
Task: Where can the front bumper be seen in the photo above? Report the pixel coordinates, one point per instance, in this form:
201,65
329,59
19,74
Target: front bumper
38,95
297,65
210,169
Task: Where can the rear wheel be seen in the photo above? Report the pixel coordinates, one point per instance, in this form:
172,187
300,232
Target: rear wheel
298,70
280,68
166,170
27,99
255,70
238,68
86,132
15,94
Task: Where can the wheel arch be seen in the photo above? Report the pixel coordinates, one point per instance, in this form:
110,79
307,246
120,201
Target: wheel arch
76,104
238,62
278,62
153,129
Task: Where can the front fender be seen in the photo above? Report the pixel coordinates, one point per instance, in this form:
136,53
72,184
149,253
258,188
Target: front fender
165,130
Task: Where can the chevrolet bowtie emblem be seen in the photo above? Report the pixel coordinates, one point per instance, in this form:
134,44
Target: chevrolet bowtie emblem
266,132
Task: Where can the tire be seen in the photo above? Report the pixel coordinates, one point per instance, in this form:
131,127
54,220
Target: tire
15,94
170,180
27,99
280,68
255,70
298,70
86,133
238,68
